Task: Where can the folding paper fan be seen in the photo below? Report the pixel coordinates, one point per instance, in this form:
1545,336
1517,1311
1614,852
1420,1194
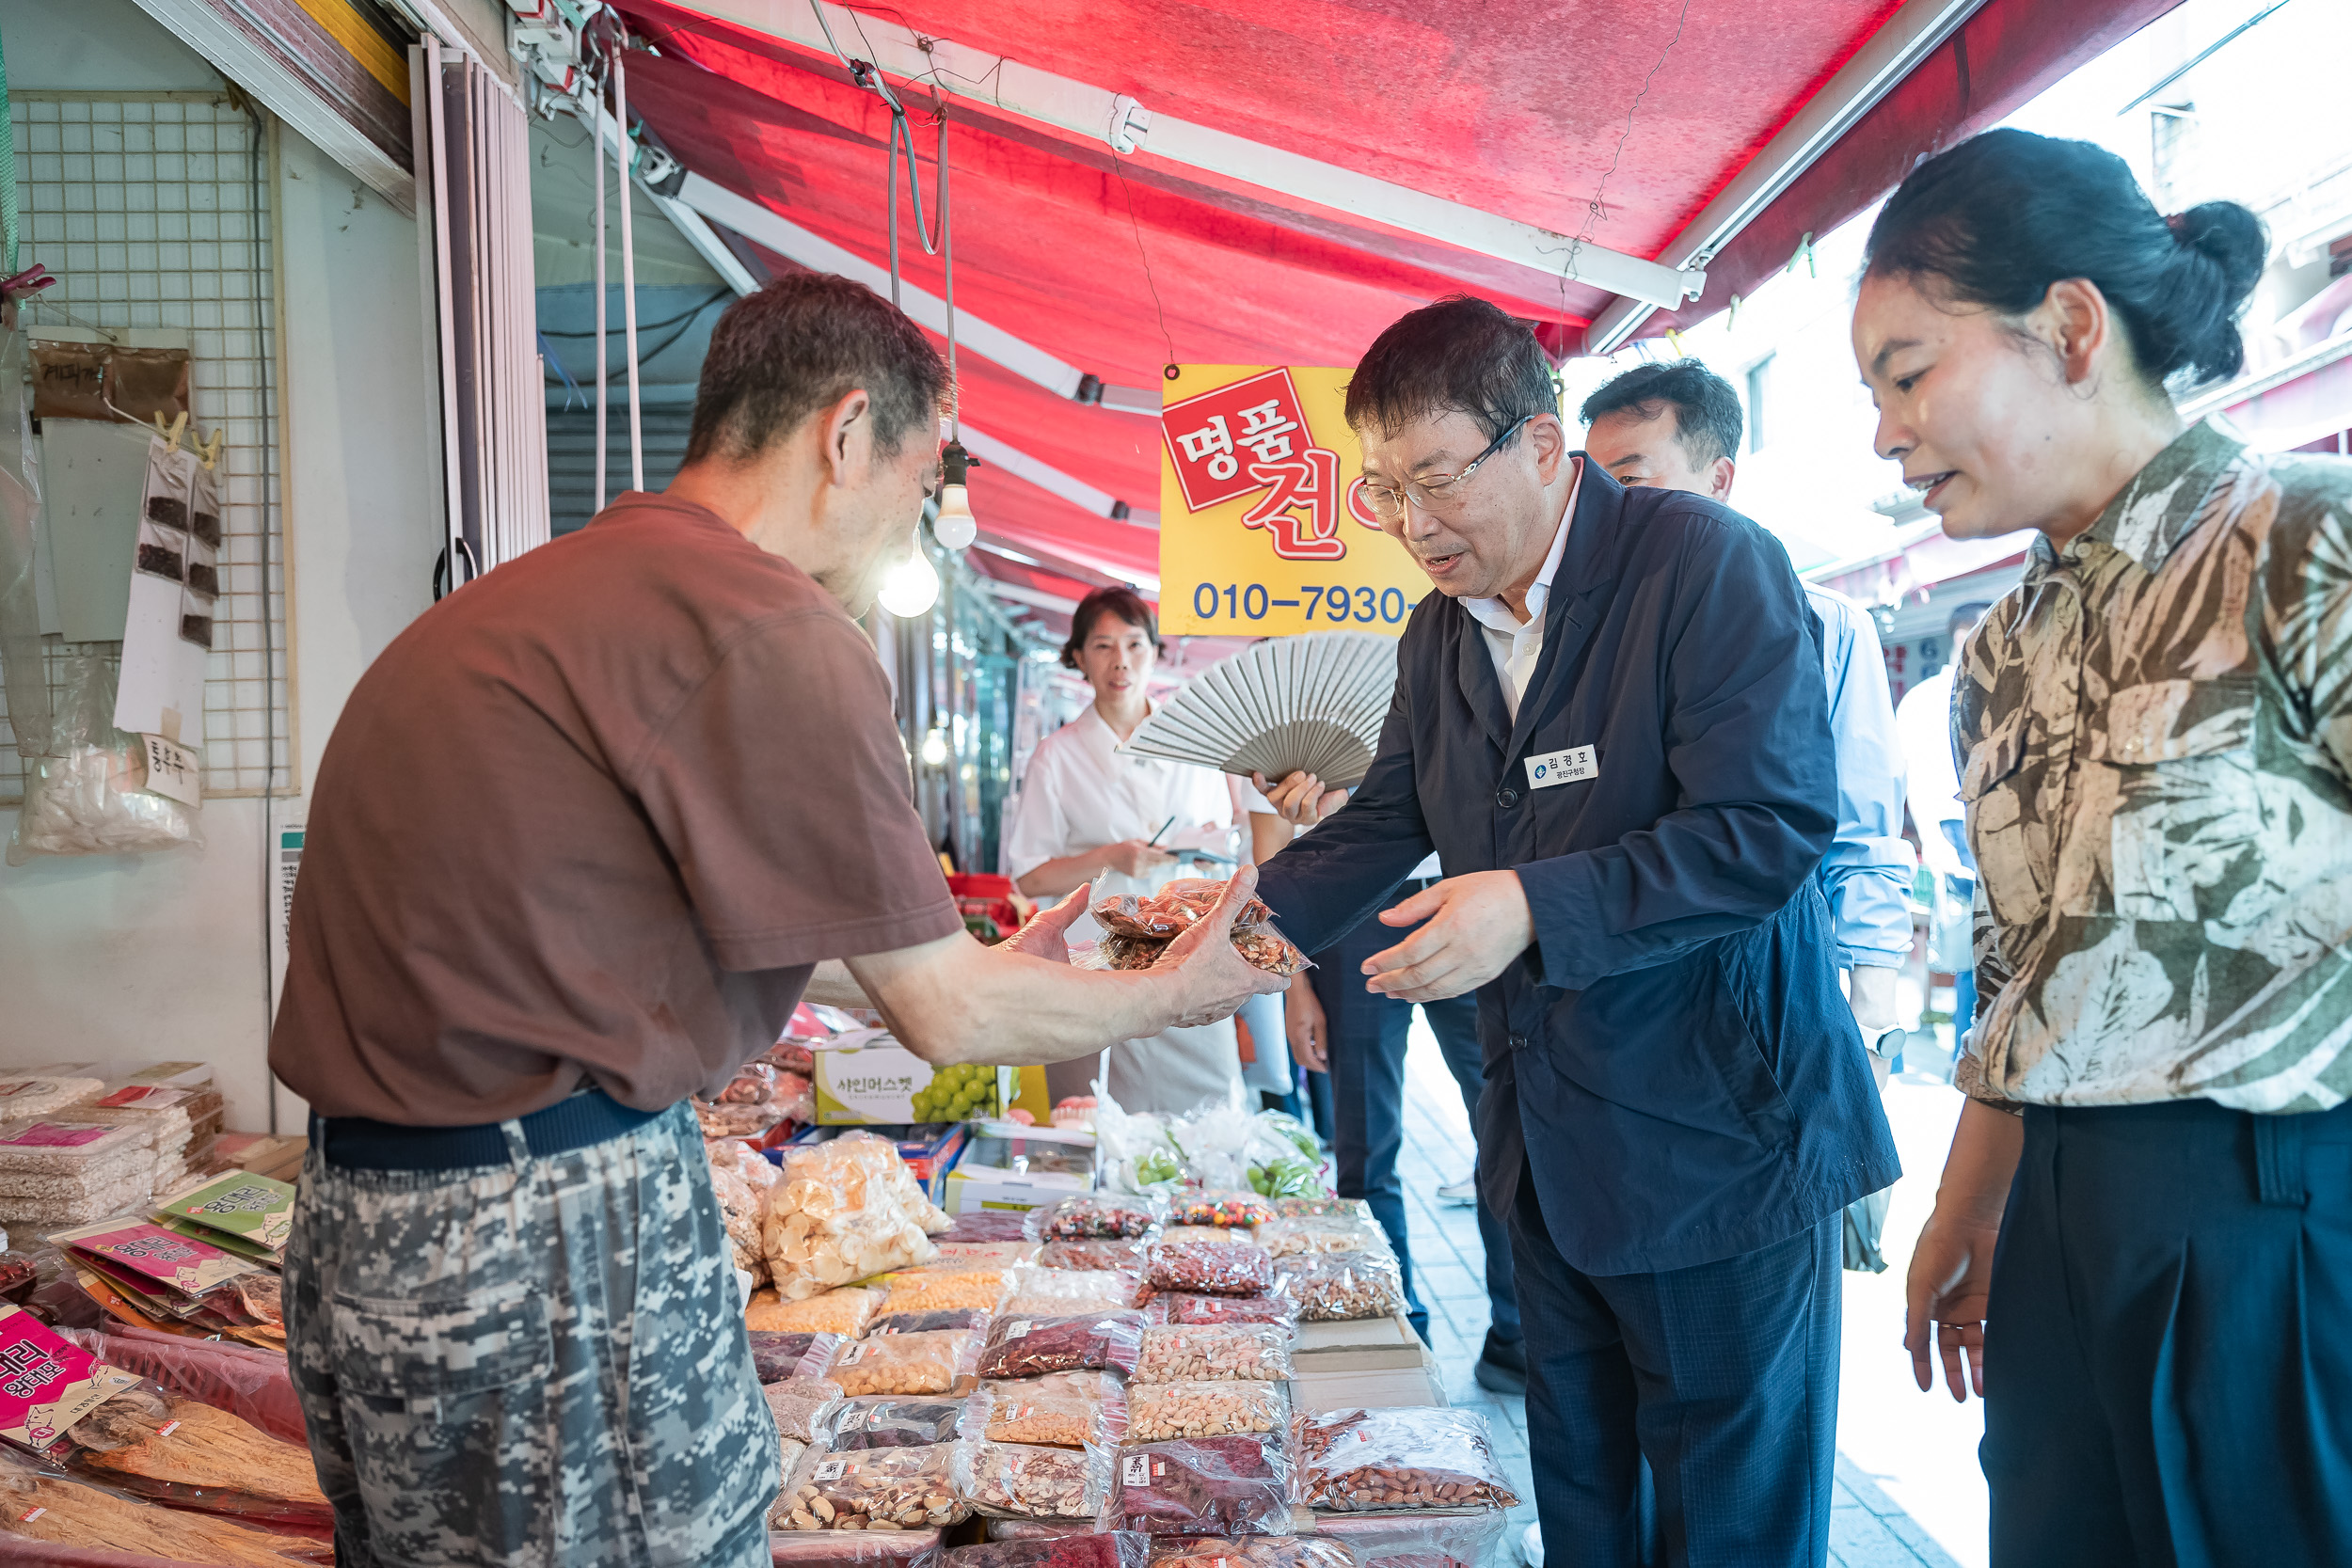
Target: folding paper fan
1314,703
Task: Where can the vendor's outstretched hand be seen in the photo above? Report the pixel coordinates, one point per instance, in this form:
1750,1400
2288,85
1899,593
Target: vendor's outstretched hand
1217,979
1046,934
1477,924
1299,799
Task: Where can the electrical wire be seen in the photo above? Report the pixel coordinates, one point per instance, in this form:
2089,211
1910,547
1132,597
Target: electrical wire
1150,282
1594,211
662,326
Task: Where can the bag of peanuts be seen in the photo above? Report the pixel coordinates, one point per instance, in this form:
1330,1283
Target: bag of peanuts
1289,1237
1220,1485
883,1489
895,1421
1177,1306
1109,1549
1251,1551
1335,1287
1087,1341
1064,1410
1161,1412
1028,1482
1210,1268
1239,1352
938,1363
1355,1461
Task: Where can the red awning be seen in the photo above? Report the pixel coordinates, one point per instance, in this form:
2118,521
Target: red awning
1117,263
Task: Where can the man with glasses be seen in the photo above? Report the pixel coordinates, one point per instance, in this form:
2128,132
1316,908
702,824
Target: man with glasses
1610,724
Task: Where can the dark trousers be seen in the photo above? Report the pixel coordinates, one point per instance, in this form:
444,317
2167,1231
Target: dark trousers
2169,1343
1367,1039
1723,1376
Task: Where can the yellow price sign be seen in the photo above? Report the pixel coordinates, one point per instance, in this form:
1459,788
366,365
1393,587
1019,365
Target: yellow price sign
1261,531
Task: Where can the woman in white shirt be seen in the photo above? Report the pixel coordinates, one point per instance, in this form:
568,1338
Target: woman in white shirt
1086,811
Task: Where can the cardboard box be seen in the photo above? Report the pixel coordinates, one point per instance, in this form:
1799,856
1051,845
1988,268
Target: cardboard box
1316,1338
1336,1381
865,1078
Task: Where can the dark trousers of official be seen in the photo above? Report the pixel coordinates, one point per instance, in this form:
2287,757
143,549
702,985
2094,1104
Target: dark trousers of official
2169,1342
1723,1376
1367,1037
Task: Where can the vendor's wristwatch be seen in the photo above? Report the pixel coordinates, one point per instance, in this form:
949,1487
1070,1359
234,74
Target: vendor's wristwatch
1887,1042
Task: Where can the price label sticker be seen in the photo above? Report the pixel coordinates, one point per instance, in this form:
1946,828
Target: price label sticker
174,770
833,1469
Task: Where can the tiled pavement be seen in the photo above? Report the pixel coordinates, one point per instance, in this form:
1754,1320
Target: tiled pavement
1867,1528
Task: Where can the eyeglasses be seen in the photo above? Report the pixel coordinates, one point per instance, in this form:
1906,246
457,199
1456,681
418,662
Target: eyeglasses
1387,501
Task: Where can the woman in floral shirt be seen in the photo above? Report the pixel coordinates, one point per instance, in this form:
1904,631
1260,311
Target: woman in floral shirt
2142,1245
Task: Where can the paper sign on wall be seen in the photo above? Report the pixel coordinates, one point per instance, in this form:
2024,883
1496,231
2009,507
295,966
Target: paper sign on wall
1262,529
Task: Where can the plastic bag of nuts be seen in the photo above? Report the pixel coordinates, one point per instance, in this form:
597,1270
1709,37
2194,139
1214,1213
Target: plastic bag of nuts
884,1489
1177,1306
894,1421
1333,1287
1241,1353
1065,1410
1095,1219
1085,1341
1109,1549
988,1255
1251,1551
929,1322
938,1363
1289,1237
1125,1256
802,1406
777,1357
1021,1480
1210,1268
1323,1204
1059,1292
1161,1412
1236,1485
1428,1457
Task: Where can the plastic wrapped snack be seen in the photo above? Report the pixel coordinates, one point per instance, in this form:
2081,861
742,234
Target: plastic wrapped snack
1055,1292
1177,1306
1161,1412
844,1209
1085,1341
1322,1205
1096,1219
185,1452
1227,1485
988,1227
1023,1481
886,1489
1222,1210
1063,1410
802,1406
1182,1352
1253,1551
987,1255
895,1548
927,1290
1167,915
1210,1268
1109,1549
845,1312
1353,1461
937,1363
777,1357
1288,1237
895,1421
1091,1255
1333,1286
931,1322
1429,1538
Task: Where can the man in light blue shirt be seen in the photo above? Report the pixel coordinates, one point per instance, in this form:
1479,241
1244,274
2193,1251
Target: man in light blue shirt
1676,425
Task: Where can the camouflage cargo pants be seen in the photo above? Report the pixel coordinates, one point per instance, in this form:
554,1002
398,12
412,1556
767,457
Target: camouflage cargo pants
540,1363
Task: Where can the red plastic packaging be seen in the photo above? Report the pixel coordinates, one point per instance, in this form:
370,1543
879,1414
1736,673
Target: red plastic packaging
1238,1485
1028,1347
251,1385
1210,1268
1110,1549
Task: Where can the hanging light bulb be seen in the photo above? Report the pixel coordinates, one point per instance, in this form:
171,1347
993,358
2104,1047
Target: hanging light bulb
954,526
913,585
935,749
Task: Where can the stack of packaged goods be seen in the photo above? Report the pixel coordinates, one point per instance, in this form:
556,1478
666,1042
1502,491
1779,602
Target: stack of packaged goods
741,1178
252,1217
67,1168
151,1276
179,1115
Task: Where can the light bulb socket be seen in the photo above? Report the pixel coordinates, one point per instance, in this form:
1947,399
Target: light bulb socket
955,464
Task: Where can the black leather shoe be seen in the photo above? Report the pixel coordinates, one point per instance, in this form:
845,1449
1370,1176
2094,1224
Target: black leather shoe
1502,1367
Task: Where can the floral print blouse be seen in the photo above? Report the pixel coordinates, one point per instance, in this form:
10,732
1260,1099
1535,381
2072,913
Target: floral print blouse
2155,738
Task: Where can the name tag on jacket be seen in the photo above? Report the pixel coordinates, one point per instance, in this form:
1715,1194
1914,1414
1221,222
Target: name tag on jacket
1572,766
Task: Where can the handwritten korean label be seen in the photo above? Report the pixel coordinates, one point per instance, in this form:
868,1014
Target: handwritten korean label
174,770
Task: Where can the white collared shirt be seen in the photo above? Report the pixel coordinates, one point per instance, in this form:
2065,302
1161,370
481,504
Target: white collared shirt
1516,646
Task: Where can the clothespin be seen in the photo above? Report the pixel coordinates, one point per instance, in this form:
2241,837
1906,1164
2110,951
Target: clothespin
1734,320
1673,341
1803,253
208,452
175,430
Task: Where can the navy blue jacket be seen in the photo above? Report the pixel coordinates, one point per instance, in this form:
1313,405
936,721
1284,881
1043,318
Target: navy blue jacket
1672,1059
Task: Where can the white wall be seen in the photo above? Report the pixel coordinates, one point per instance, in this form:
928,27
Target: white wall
146,957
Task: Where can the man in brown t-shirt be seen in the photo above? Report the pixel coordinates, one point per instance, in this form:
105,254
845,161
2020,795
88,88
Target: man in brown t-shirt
580,840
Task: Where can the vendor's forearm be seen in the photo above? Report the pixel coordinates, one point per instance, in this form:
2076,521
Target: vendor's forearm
831,985
1983,1162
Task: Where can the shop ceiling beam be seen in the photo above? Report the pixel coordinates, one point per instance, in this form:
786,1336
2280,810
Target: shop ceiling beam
240,51
1891,54
1128,126
761,226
